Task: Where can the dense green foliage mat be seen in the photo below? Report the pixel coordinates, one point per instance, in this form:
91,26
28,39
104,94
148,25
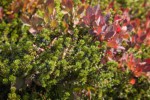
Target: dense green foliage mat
74,49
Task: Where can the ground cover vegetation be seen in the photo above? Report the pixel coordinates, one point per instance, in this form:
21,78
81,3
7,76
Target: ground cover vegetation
74,49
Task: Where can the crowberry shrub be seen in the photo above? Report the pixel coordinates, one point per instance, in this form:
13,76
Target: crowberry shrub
74,49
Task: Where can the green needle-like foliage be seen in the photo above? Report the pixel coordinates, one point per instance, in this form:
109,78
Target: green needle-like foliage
49,51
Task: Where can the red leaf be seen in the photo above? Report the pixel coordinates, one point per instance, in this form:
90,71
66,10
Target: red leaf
138,71
92,18
96,10
118,28
110,32
117,18
121,48
1,12
125,36
109,35
111,4
135,23
132,81
107,17
97,30
36,20
50,5
48,2
146,66
97,21
89,11
131,63
112,44
83,1
88,93
109,54
68,3
147,60
142,38
25,20
139,33
80,10
86,20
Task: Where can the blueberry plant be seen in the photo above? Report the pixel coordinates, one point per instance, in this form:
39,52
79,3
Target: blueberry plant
74,49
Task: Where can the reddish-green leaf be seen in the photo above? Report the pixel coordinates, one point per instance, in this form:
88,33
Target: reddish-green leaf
1,12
